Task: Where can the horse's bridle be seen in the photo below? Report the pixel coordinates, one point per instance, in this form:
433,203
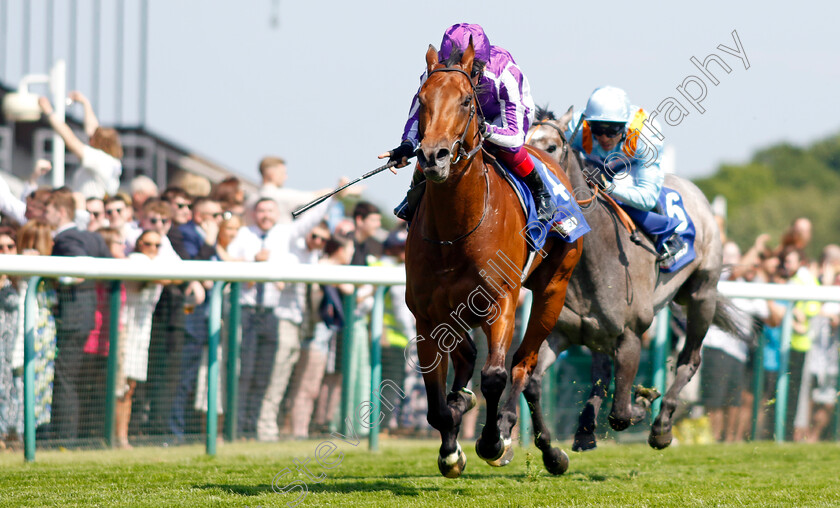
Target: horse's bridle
463,154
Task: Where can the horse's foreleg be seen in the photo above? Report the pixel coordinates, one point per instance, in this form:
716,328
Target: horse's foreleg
433,363
490,445
700,312
627,355
555,460
600,373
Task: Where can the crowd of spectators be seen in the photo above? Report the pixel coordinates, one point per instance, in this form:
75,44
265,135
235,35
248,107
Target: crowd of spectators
727,372
289,366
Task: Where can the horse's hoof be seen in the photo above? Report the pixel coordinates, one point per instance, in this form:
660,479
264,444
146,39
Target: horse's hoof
481,449
556,461
506,456
660,441
648,394
502,458
584,442
453,464
618,424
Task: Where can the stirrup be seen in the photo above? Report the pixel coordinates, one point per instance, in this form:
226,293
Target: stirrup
670,248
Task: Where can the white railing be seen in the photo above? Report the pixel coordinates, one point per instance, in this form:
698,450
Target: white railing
123,269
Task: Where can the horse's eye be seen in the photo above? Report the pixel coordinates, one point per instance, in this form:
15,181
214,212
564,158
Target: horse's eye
467,101
551,149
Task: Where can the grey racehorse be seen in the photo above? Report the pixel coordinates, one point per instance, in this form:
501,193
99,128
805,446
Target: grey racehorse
613,295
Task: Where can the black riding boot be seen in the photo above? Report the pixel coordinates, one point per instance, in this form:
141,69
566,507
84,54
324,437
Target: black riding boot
542,199
405,210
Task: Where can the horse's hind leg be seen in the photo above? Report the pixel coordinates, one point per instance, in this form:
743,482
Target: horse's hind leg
700,312
556,461
549,288
433,363
601,373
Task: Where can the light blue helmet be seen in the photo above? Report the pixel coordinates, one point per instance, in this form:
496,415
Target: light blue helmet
608,104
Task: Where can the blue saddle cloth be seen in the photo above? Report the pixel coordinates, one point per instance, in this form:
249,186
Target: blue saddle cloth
661,227
568,222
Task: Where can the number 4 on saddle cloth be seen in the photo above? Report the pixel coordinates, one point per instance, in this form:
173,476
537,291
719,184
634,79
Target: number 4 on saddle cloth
568,222
674,227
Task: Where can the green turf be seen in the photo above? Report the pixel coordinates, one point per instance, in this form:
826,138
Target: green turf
404,473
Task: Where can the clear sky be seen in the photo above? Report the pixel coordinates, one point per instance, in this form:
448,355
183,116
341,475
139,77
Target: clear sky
328,86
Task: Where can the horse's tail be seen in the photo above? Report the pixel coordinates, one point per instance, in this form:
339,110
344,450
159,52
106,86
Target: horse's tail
734,321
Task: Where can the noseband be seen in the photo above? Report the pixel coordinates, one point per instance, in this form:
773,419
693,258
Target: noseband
461,153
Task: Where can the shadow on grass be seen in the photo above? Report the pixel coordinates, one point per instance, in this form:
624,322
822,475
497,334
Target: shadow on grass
240,490
336,487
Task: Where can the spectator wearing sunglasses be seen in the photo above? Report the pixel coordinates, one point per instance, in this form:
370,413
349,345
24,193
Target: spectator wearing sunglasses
179,201
197,242
157,216
198,236
96,211
611,135
119,213
141,297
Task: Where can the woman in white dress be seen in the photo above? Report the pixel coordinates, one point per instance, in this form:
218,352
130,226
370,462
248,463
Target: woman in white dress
141,298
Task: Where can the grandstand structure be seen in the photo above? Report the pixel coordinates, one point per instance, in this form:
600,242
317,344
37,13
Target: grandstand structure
33,35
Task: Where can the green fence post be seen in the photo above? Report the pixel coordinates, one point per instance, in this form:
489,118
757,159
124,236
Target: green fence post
232,395
661,345
30,320
348,336
376,325
758,385
214,326
524,413
114,304
782,384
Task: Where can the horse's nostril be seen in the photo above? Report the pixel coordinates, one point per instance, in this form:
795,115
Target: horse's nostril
442,154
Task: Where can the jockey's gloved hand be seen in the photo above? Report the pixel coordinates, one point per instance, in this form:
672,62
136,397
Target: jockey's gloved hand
482,128
605,184
402,153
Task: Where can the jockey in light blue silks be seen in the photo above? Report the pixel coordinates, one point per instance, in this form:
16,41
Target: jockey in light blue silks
625,160
505,101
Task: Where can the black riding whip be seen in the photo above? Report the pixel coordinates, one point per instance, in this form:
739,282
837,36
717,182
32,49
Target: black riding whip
323,198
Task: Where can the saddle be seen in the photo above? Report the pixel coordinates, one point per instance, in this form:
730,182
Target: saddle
568,222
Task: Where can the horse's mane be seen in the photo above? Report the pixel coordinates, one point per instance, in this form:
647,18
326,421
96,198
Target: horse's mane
544,114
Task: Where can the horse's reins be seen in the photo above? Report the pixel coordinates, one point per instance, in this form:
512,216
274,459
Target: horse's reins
463,154
625,219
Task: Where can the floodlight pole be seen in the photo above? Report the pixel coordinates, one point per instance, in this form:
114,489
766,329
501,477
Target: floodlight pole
58,87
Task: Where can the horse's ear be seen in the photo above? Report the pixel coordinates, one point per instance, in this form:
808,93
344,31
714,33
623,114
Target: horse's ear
431,58
567,117
467,57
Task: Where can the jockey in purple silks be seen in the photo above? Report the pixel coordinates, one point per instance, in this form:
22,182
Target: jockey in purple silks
505,101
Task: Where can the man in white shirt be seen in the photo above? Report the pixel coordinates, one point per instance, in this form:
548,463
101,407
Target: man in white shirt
271,317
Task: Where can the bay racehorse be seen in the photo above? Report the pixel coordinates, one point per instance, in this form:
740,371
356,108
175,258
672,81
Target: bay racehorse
467,225
614,294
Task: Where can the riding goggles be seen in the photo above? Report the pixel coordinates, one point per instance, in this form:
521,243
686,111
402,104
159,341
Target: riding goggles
610,129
